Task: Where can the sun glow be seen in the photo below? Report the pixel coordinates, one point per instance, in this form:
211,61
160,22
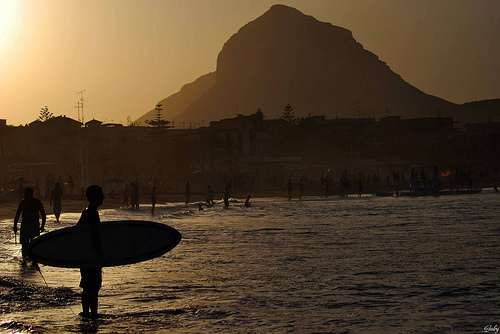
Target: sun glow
9,26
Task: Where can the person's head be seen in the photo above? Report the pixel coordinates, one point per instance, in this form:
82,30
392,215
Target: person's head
28,193
95,195
154,188
57,185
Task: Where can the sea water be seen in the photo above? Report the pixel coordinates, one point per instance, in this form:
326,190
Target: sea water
320,265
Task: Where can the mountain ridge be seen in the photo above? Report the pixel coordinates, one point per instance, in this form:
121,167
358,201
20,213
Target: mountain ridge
286,57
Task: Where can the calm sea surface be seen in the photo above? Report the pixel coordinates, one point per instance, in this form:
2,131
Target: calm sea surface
337,265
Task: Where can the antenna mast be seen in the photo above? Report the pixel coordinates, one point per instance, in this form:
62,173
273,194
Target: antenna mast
84,160
80,105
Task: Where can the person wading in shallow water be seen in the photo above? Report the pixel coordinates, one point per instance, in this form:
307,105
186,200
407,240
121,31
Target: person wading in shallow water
92,277
55,197
30,225
153,200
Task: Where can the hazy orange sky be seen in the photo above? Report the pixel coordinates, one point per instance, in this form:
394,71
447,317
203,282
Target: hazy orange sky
130,54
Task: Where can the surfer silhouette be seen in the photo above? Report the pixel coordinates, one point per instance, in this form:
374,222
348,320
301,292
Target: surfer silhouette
55,198
91,278
30,208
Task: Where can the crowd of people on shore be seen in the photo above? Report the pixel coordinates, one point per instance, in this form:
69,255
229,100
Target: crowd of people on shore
55,189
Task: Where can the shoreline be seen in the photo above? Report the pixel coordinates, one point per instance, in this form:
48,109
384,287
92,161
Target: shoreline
76,204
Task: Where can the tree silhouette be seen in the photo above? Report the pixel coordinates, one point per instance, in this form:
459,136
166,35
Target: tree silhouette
289,115
158,122
45,115
259,112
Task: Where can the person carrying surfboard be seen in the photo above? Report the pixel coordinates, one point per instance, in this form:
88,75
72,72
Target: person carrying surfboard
30,208
91,278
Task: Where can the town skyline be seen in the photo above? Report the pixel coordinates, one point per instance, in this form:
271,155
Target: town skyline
129,55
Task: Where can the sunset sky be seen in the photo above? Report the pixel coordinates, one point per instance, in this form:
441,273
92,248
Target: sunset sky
130,54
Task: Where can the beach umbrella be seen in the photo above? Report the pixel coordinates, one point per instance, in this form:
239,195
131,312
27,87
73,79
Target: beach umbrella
446,173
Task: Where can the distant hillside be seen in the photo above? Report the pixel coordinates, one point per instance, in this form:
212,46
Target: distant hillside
285,57
175,104
492,106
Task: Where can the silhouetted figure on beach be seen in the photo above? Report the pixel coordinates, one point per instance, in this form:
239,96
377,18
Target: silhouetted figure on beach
289,188
344,183
200,207
423,177
322,179
134,196
71,184
375,184
61,183
187,192
469,179
210,196
21,188
301,188
56,200
495,189
153,200
226,197
91,278
327,186
30,210
413,180
360,184
125,196
247,202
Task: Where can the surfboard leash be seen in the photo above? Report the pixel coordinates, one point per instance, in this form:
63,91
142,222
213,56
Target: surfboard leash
76,315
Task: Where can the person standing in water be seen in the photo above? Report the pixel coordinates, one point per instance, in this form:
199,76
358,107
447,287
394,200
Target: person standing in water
153,200
247,202
55,197
289,187
210,196
226,197
91,278
360,184
30,208
125,196
301,188
327,186
188,192
134,196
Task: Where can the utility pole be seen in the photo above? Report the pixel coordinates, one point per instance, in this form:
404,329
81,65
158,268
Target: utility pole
84,159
